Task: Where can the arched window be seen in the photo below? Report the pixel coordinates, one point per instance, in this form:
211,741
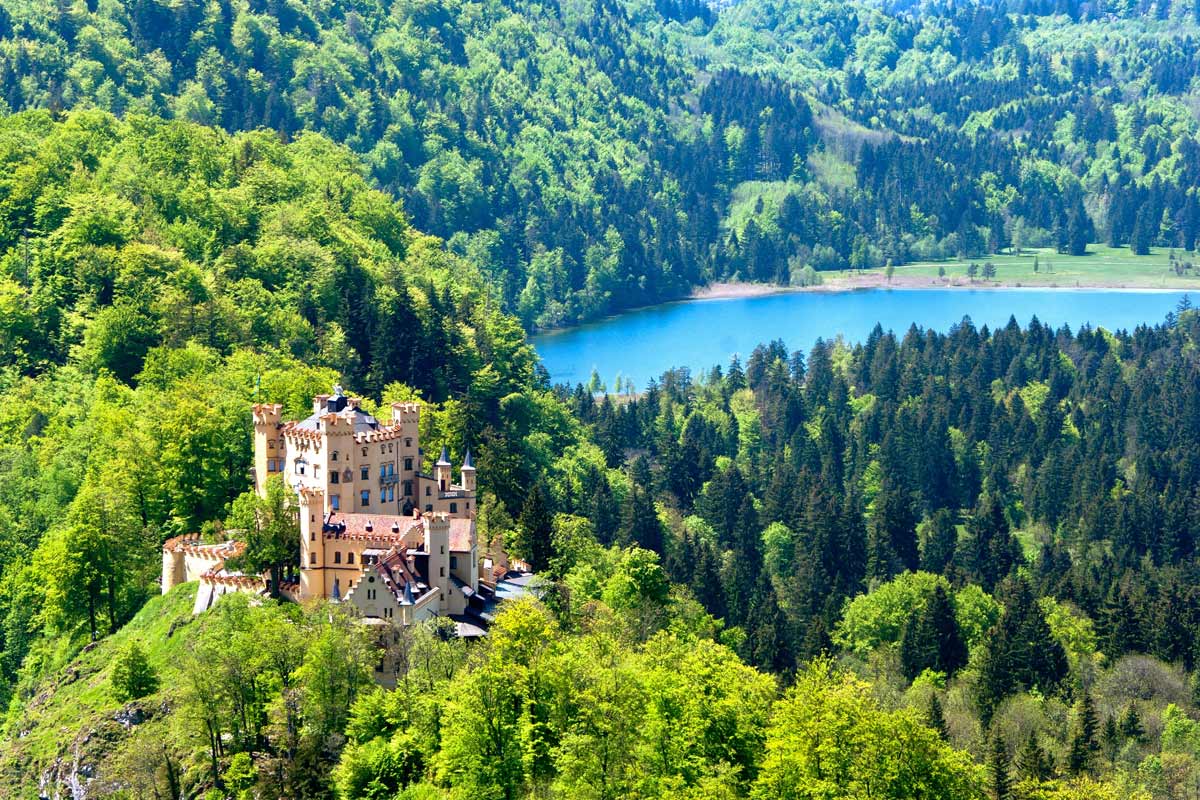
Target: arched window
333,456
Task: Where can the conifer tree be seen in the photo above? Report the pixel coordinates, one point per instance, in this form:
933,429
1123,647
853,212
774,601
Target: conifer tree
1021,652
999,780
1131,724
932,640
1111,737
1083,740
936,717
1032,762
940,542
536,529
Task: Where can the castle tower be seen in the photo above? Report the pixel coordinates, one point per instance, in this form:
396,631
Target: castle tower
338,478
441,471
268,445
437,542
468,472
312,542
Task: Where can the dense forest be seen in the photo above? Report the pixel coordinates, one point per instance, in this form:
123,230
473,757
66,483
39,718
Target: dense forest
946,564
588,157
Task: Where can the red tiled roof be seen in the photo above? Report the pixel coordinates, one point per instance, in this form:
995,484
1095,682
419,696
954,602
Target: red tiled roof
382,525
461,533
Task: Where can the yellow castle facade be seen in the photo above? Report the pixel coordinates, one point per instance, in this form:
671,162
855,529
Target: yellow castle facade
376,530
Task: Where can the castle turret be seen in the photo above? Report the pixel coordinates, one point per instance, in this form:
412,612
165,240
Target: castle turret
441,470
468,472
268,448
312,542
437,542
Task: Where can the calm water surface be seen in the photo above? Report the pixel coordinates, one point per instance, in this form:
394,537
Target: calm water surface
701,333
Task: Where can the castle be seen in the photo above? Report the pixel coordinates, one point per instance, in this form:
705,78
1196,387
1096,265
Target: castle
375,530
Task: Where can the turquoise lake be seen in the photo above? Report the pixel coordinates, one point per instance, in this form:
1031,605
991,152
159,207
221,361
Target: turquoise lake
702,333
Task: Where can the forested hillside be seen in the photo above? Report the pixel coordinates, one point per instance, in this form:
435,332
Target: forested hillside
953,564
591,156
159,276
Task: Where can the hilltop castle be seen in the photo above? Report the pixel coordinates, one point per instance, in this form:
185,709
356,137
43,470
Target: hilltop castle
375,531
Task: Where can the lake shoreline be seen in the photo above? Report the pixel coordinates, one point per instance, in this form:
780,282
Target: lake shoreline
870,280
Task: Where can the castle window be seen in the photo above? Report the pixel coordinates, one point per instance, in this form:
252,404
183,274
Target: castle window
468,505
335,501
389,447
365,497
312,535
364,451
454,508
271,443
441,572
337,556
312,558
334,476
427,491
365,472
408,442
408,464
429,506
453,562
382,448
350,558
333,455
408,488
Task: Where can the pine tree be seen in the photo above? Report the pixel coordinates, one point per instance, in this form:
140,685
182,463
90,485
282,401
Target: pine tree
1021,652
1131,725
932,640
936,718
536,529
1111,738
940,543
1083,742
1032,763
998,763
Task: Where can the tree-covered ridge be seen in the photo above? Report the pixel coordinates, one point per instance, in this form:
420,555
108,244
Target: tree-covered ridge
524,129
158,278
1019,112
122,236
589,157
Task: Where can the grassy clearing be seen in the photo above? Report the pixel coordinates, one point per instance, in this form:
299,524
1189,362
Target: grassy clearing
1103,266
73,715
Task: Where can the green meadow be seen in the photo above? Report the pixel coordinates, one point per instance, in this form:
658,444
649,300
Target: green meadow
1103,266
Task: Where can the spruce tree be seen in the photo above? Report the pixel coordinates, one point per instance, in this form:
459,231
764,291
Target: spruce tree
932,640
936,717
1083,740
940,543
1131,724
1032,762
999,779
537,529
1111,738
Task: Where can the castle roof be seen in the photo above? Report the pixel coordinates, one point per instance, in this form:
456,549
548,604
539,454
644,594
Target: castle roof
363,422
444,460
390,530
468,463
462,531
